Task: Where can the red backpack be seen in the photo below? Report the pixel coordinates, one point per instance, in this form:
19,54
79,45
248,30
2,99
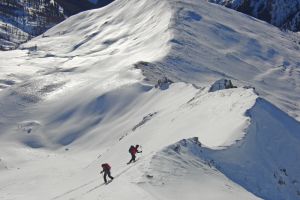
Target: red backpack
106,166
131,149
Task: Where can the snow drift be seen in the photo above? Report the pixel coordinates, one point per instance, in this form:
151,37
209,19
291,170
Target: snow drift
261,162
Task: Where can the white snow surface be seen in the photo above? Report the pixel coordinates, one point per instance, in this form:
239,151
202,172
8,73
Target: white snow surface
82,93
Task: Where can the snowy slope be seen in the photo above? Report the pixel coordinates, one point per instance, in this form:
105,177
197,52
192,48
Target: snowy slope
235,46
271,143
21,20
83,93
229,44
110,140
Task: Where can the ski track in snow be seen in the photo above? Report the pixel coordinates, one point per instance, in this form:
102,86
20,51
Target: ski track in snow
77,188
91,182
87,93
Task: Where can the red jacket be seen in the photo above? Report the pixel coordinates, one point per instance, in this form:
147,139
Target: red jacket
133,150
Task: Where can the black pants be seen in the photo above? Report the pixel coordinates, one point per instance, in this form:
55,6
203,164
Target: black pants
107,173
132,158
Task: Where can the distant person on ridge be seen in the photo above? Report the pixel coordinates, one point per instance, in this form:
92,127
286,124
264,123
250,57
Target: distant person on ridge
106,169
133,150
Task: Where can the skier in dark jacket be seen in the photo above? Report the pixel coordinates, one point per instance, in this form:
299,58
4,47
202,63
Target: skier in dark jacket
133,150
106,169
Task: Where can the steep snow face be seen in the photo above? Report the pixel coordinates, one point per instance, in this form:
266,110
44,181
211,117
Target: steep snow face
262,161
115,34
176,172
210,42
281,13
78,58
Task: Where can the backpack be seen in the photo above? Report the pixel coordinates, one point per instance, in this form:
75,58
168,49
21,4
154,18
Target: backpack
131,148
106,166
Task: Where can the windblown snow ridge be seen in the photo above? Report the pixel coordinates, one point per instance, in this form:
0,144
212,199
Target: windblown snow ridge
265,161
210,42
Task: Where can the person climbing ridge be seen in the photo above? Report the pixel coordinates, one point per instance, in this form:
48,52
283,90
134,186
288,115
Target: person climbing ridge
106,169
133,150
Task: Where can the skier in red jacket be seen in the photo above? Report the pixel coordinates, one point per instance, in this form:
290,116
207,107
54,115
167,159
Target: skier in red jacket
106,169
133,150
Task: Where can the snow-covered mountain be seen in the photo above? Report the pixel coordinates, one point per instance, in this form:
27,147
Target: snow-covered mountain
154,73
21,20
284,14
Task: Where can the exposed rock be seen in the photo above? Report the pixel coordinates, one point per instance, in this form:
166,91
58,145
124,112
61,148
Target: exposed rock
221,85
